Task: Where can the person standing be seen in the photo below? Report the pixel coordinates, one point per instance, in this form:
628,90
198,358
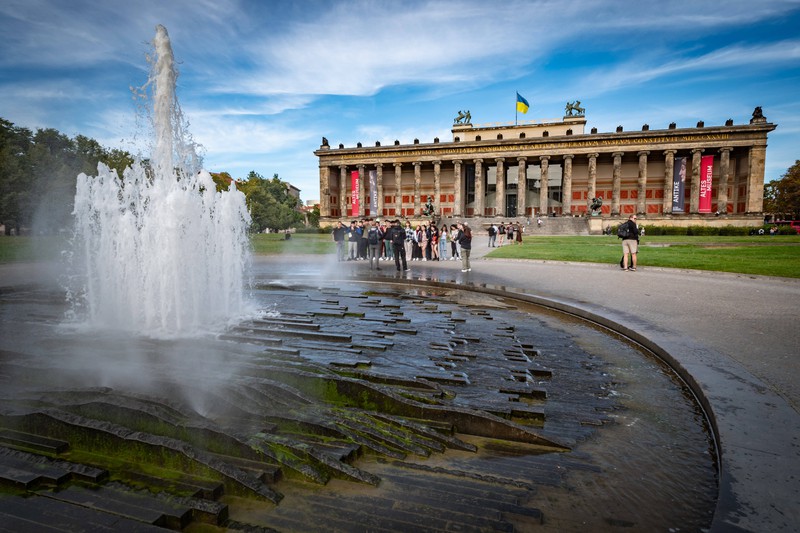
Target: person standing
352,242
454,234
518,230
397,237
492,235
374,238
409,244
501,232
465,240
629,233
338,237
443,238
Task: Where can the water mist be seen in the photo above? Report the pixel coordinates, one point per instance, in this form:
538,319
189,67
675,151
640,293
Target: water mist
160,252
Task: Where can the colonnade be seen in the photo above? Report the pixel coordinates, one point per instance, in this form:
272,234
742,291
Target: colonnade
331,187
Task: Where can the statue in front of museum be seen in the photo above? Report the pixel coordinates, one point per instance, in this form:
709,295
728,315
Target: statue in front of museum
463,117
428,209
574,109
597,203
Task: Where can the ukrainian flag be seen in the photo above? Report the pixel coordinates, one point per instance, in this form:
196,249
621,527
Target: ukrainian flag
522,104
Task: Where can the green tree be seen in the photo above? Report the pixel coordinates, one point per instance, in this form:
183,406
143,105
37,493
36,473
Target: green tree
270,204
782,197
15,172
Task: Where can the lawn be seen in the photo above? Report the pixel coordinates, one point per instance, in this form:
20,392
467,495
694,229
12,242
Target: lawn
760,255
763,255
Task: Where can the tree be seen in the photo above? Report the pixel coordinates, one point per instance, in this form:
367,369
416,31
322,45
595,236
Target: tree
782,197
270,204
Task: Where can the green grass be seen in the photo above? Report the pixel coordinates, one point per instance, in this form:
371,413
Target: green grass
759,255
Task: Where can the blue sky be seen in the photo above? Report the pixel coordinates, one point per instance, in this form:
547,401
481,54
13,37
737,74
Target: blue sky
262,82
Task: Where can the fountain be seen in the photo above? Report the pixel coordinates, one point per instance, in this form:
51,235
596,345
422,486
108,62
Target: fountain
360,406
159,250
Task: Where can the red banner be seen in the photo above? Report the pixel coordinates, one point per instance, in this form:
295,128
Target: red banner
706,172
354,186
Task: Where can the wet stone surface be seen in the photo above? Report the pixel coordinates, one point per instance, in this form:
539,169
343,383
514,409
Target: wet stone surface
348,408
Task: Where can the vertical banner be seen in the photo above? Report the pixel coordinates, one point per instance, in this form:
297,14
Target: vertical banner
706,173
373,193
354,185
679,185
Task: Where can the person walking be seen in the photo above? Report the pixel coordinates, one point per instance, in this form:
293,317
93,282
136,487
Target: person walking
629,233
501,232
465,240
396,235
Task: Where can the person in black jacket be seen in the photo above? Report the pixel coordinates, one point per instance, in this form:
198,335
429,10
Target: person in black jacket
397,236
630,244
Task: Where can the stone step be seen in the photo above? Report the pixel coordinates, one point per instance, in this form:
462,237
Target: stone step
29,441
265,471
41,514
117,500
26,475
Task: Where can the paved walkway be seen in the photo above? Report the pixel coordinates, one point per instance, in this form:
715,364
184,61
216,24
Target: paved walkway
735,338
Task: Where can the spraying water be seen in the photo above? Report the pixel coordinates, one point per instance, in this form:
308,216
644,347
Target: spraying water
161,252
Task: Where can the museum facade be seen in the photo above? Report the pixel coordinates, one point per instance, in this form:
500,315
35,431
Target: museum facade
674,176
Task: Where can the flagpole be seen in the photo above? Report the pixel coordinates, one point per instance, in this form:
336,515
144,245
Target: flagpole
516,111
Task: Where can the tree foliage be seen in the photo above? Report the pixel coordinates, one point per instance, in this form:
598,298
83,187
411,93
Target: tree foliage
782,197
270,204
38,174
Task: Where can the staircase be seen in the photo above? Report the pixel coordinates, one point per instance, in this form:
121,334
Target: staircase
550,225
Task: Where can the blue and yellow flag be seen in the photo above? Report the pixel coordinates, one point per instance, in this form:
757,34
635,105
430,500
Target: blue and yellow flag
522,104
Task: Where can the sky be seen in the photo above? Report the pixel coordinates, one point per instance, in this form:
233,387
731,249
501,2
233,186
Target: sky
262,82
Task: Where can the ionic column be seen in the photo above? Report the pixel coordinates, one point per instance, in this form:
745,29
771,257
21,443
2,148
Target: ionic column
616,182
500,194
566,186
694,197
398,195
417,188
641,185
479,209
362,195
669,170
592,192
755,180
725,172
522,186
437,186
458,185
543,200
343,190
325,191
379,179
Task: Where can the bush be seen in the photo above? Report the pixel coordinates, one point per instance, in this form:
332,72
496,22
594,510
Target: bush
729,231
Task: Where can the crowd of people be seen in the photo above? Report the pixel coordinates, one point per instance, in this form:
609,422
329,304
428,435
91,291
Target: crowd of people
376,240
504,233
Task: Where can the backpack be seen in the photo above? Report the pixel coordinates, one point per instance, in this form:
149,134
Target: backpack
624,231
372,236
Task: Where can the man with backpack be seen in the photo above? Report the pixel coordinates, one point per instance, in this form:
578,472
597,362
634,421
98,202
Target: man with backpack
397,237
374,238
629,233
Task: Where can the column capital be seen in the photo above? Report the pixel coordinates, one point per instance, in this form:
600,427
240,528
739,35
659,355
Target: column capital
544,158
594,155
342,167
618,154
397,165
456,161
726,149
670,152
417,163
643,152
522,159
361,167
568,156
697,150
378,165
477,160
499,159
436,162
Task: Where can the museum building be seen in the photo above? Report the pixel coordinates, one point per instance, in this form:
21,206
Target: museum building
674,176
